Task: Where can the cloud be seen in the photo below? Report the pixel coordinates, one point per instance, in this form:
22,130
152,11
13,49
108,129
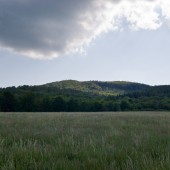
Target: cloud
46,29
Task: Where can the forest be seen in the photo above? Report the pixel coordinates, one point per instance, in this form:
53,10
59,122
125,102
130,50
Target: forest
91,96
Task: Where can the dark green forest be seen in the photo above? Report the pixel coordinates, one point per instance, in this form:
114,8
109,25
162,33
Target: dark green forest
88,96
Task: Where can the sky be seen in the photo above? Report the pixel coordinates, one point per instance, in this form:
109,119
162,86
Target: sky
45,41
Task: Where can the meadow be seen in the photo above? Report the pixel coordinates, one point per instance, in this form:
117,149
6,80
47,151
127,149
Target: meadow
81,141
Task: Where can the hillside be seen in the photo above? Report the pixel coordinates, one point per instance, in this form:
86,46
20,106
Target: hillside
98,87
72,95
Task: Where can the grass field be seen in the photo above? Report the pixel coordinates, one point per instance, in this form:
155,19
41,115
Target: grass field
85,141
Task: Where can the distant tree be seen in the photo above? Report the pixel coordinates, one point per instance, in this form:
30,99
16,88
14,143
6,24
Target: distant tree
125,105
58,104
97,106
108,106
0,102
84,106
8,102
27,102
116,106
46,104
164,104
72,105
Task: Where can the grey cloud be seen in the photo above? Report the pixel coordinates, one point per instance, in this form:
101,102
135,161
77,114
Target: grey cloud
40,26
46,29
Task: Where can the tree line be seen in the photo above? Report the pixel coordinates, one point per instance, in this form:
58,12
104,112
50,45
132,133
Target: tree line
37,102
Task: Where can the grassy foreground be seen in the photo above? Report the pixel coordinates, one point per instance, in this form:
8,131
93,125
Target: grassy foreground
85,141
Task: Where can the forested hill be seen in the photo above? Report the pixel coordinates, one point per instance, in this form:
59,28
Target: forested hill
98,87
71,95
82,89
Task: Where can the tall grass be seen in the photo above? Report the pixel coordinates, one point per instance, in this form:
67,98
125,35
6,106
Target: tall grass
74,141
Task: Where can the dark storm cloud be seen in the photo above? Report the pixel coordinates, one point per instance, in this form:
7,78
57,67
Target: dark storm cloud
49,28
38,26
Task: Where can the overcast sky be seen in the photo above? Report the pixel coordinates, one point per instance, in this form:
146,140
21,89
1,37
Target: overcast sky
44,41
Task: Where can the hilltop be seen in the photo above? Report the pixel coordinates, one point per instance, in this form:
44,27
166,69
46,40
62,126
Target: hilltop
98,87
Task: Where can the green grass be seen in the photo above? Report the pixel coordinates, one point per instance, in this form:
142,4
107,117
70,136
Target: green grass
86,141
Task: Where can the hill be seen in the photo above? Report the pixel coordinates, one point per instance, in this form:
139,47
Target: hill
98,87
72,95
